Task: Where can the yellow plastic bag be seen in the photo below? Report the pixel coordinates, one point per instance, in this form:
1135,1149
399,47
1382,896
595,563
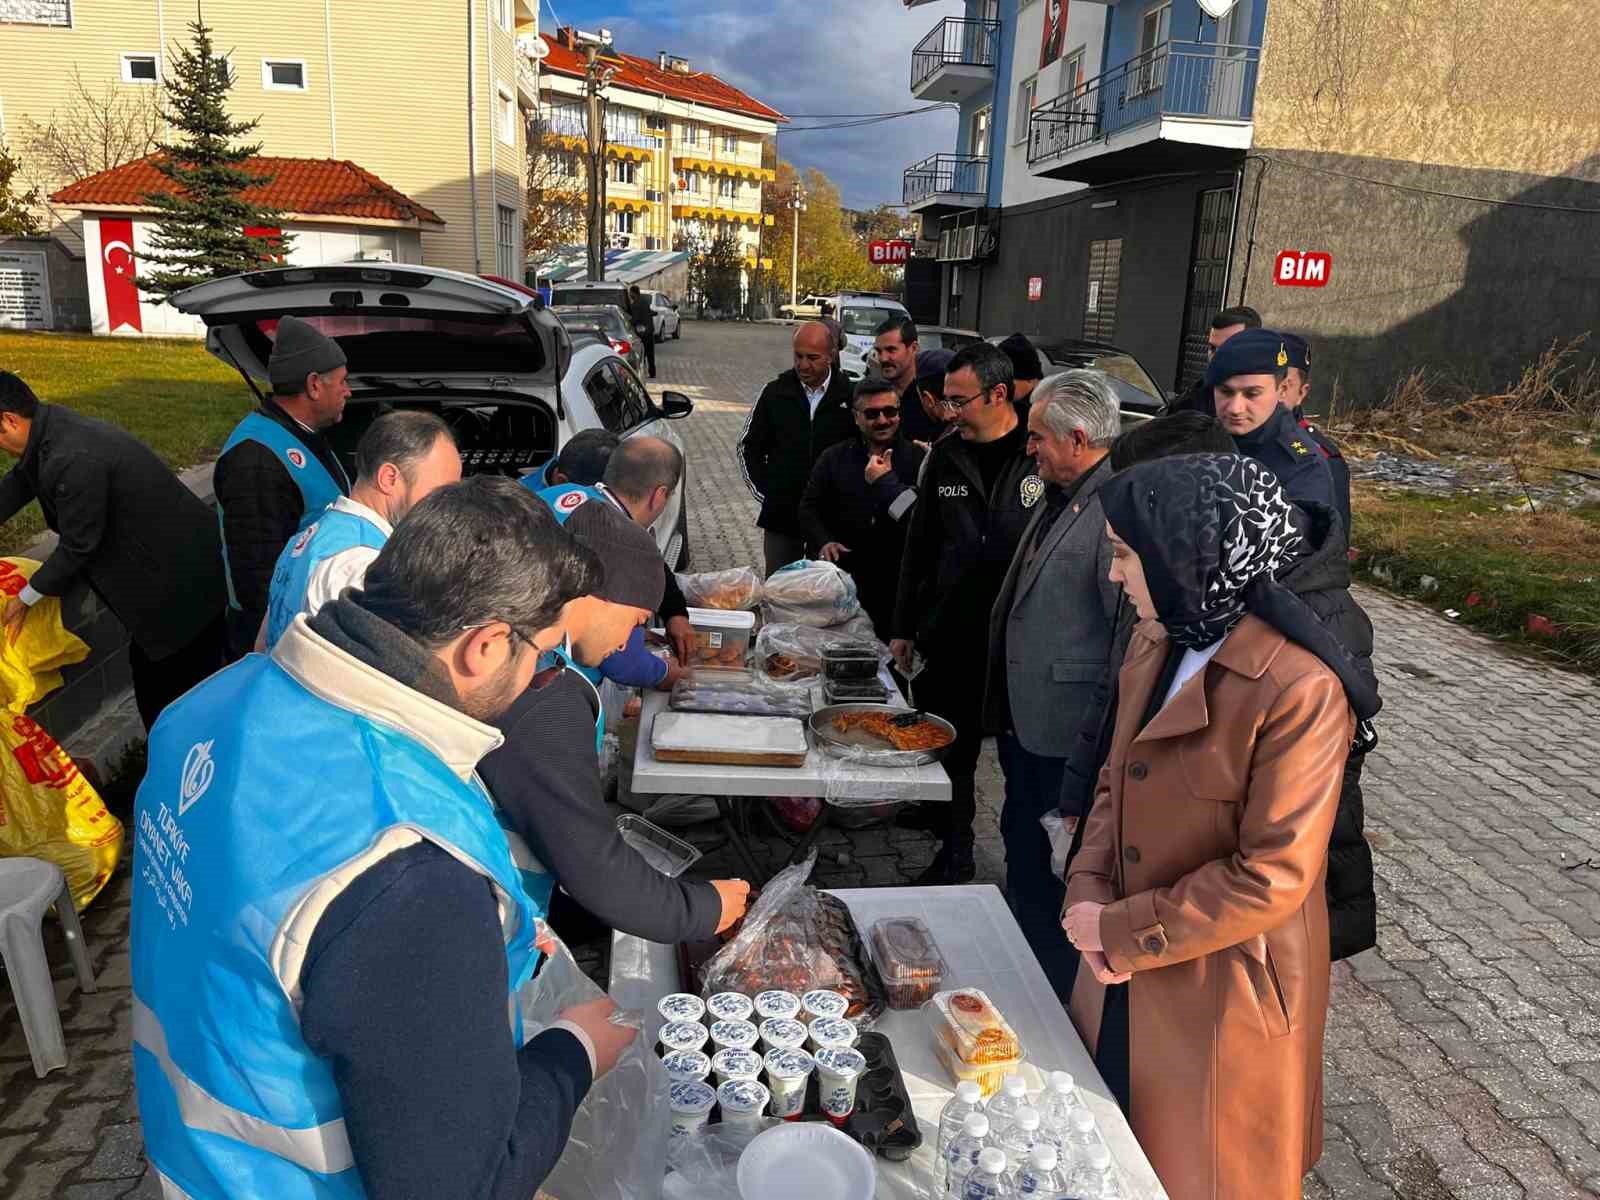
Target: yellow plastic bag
48,809
30,667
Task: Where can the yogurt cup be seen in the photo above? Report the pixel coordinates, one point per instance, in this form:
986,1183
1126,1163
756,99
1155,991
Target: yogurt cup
787,1072
682,1035
823,1003
832,1031
686,1065
681,1006
780,1033
729,1006
690,1101
770,1005
736,1064
734,1035
838,1070
743,1101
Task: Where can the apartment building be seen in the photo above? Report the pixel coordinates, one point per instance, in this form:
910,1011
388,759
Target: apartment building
429,97
684,149
1406,186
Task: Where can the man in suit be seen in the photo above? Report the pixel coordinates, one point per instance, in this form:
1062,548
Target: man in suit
129,528
1050,634
643,316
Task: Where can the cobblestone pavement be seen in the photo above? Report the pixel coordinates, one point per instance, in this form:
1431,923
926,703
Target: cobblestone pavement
1463,1054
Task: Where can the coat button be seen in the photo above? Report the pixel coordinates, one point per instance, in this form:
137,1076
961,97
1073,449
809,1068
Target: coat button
1137,770
1131,854
1152,944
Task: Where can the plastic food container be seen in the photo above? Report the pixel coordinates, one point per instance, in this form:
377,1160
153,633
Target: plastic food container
721,639
832,1031
908,959
967,1022
986,1075
849,660
687,1064
682,1035
777,1004
823,1003
736,1035
729,1006
681,1006
670,855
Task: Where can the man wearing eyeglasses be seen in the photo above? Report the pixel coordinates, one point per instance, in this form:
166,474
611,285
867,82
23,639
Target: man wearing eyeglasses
976,497
857,503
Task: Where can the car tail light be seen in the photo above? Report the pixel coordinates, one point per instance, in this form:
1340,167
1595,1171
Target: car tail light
622,347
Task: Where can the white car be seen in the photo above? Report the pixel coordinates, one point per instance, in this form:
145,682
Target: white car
488,357
860,314
668,324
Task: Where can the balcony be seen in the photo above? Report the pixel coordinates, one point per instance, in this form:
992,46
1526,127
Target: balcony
956,60
946,183
1170,109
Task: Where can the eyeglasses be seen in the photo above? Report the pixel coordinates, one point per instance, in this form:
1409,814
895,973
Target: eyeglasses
512,632
957,403
888,413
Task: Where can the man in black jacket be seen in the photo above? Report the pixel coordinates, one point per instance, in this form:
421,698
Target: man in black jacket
797,416
643,317
277,471
856,507
977,494
1224,325
129,528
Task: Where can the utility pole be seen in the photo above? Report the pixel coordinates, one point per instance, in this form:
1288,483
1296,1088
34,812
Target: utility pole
797,204
596,76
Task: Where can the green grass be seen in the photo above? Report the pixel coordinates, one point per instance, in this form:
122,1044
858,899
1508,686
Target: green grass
171,395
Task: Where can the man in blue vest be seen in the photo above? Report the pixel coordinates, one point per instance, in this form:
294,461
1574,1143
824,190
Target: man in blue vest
277,471
329,931
402,458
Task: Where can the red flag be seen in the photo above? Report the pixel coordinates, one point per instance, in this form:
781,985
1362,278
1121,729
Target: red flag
116,264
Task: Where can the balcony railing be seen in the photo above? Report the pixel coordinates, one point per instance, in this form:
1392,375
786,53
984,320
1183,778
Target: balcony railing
963,174
955,41
566,123
1178,79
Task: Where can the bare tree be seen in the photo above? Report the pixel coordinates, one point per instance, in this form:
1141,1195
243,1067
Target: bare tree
93,131
557,204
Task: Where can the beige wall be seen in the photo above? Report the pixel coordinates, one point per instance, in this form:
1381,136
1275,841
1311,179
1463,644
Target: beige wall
1498,84
386,88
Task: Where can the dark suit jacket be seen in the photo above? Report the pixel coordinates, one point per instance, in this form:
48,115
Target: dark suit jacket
128,527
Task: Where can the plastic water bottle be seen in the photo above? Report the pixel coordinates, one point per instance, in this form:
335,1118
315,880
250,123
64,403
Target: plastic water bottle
1040,1178
988,1180
1056,1106
961,1156
1019,1137
1082,1139
967,1100
1003,1105
1094,1178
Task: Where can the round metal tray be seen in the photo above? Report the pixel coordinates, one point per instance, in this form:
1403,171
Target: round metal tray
866,749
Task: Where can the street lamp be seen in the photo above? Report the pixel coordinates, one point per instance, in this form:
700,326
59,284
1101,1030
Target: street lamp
797,202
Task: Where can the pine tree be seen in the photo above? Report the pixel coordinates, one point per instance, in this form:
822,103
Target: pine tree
16,207
201,232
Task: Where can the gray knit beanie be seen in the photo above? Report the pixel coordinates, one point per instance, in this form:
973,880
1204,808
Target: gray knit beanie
297,351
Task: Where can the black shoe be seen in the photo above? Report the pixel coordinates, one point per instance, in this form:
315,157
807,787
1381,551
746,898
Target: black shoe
929,818
948,868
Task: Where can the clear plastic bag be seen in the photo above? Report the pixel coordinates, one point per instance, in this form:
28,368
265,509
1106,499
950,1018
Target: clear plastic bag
802,645
705,1164
619,1135
734,589
810,592
850,779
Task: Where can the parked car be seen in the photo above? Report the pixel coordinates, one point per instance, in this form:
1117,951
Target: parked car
488,358
807,308
605,323
585,293
668,324
860,314
1137,393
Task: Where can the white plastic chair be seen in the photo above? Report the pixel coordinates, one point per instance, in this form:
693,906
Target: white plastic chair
29,886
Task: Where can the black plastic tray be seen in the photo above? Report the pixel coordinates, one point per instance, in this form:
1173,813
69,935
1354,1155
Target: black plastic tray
883,1120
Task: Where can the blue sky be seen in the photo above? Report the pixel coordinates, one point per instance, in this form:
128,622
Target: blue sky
819,56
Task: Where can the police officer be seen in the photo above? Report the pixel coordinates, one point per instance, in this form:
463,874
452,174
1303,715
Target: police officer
1297,390
1247,375
975,498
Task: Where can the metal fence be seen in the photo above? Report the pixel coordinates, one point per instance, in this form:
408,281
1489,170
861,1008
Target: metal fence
955,40
966,174
1177,79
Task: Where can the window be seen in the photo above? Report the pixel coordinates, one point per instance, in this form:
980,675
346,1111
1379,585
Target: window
730,142
978,144
1155,29
140,68
655,121
505,243
621,222
727,189
502,13
636,405
619,399
691,134
652,243
505,113
695,184
623,170
1072,73
1027,95
283,75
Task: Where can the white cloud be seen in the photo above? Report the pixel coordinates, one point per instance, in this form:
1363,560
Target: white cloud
820,56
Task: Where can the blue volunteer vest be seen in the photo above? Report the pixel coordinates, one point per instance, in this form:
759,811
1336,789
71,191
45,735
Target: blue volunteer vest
318,488
257,796
331,533
564,499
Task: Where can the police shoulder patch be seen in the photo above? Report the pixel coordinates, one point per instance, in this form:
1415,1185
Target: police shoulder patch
1032,488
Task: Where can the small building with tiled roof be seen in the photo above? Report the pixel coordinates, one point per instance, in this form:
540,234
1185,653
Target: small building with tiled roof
332,210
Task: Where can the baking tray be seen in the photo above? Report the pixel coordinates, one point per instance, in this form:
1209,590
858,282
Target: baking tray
866,749
729,740
741,695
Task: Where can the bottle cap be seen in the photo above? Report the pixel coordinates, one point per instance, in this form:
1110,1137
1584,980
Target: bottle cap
976,1125
1060,1082
968,1092
1100,1158
1044,1157
1082,1122
1013,1085
1027,1118
992,1161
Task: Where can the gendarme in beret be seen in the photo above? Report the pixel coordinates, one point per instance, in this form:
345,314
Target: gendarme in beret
1299,351
299,349
1251,352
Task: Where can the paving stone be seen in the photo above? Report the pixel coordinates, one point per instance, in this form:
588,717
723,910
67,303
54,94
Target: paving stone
120,1154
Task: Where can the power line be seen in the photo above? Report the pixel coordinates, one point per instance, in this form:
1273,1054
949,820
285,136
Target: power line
1426,191
877,119
844,116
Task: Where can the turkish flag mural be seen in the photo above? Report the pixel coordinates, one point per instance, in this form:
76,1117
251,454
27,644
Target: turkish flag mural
116,265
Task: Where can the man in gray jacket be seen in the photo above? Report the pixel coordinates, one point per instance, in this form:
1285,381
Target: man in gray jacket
1050,633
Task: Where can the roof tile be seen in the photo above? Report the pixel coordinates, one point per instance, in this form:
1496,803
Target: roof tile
643,75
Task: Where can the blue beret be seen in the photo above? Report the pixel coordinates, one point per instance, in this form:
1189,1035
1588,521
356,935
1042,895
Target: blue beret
1249,352
1299,351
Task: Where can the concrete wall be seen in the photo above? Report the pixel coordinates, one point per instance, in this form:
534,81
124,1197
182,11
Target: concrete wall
69,287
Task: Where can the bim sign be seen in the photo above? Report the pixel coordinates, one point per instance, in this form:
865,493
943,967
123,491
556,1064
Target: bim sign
1302,268
888,254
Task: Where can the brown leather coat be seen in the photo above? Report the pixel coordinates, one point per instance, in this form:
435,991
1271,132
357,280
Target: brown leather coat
1208,843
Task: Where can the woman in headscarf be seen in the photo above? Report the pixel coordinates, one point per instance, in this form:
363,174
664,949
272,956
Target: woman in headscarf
1197,898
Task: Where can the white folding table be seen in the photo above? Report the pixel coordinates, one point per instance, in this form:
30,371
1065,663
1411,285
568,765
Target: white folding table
983,948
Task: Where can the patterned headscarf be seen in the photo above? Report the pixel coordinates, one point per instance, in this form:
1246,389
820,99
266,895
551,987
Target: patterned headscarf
1205,527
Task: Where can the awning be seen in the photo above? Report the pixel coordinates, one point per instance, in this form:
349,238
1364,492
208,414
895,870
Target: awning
707,212
625,205
713,166
622,266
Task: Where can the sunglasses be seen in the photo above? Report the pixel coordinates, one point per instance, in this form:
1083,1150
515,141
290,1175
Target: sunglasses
888,413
